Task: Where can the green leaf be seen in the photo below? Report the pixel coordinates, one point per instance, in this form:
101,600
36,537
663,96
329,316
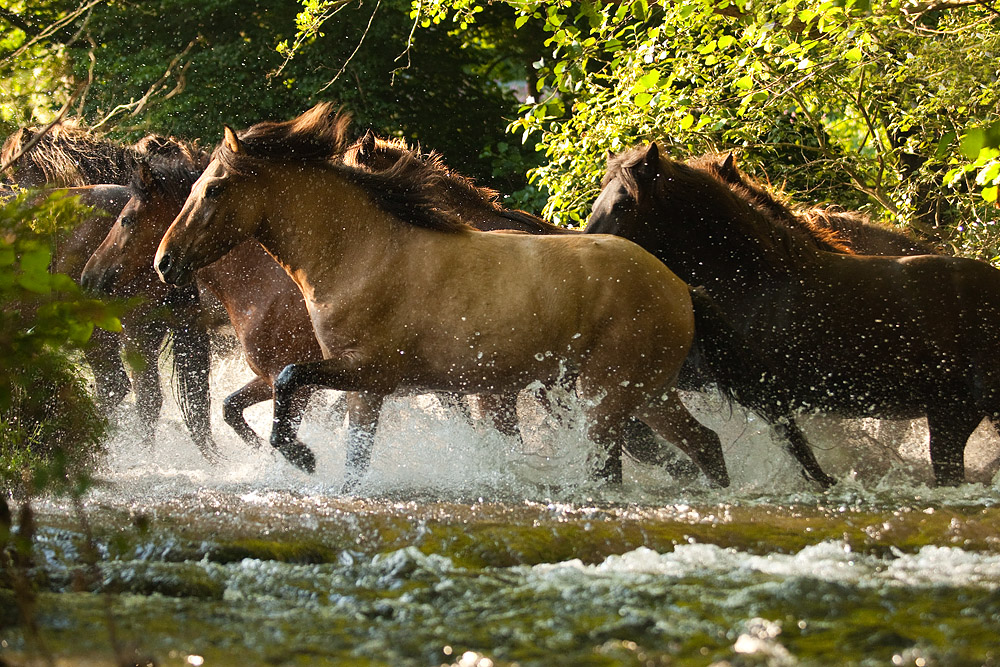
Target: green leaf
973,142
646,81
687,122
726,41
990,194
744,82
854,55
944,144
642,99
988,174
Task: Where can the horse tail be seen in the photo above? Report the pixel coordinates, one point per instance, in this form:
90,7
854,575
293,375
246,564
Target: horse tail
191,361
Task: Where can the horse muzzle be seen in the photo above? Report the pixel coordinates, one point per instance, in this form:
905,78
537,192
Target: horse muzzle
100,281
172,271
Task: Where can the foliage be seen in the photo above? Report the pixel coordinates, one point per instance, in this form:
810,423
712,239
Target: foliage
173,67
48,421
890,106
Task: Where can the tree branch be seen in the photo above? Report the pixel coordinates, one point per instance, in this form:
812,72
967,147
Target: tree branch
53,28
136,107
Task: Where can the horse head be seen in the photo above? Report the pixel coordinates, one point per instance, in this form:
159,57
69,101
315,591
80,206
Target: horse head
122,261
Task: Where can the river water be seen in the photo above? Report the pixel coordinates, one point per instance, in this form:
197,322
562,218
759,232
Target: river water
464,548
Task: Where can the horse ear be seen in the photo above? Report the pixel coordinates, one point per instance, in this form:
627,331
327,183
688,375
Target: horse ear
367,143
729,164
232,141
649,168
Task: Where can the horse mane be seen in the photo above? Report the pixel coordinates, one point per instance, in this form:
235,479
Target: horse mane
317,136
679,185
69,155
171,177
157,146
771,204
377,154
406,190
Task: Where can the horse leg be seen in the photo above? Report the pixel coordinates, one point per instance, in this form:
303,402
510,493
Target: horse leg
644,446
143,344
668,417
325,373
950,427
256,391
798,446
502,411
363,410
104,356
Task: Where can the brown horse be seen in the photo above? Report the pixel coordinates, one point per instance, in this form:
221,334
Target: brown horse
264,305
480,207
70,156
403,294
849,335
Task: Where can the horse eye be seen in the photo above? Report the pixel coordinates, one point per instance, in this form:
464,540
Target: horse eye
128,221
213,190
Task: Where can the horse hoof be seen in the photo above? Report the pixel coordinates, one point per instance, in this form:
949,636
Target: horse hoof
298,455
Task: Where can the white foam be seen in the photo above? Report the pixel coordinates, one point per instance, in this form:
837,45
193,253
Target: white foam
425,448
828,561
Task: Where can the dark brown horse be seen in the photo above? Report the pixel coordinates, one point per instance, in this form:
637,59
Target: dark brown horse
404,294
69,156
848,335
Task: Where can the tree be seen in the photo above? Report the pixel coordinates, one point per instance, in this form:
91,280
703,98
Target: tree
172,67
888,106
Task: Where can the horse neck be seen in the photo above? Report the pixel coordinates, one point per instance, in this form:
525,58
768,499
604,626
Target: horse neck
244,278
327,227
746,252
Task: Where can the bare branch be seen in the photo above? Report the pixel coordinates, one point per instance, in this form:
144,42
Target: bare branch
356,49
409,44
136,107
331,9
53,28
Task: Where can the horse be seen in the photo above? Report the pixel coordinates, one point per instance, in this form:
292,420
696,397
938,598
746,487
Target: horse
404,295
480,207
848,335
69,156
264,305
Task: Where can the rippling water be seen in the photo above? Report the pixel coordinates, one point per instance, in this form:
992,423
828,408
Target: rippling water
463,548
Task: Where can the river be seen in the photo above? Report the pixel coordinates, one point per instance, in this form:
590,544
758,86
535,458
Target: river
464,548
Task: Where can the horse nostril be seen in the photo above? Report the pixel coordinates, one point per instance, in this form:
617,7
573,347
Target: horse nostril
163,266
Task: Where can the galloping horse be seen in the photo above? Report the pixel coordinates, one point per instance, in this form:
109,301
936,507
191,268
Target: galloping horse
264,306
480,207
849,335
403,294
69,156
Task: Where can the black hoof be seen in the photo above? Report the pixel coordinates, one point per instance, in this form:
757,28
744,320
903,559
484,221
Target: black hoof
298,455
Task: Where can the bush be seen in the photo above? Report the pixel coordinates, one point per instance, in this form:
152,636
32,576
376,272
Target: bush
50,427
